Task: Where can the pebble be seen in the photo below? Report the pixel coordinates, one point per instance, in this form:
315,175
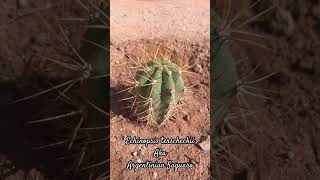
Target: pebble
155,175
205,143
139,161
140,152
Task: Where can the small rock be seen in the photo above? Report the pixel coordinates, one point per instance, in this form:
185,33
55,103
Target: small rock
117,62
140,152
290,155
22,3
198,68
139,161
155,175
205,143
135,153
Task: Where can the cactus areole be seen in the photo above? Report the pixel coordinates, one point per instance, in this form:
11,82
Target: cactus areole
158,90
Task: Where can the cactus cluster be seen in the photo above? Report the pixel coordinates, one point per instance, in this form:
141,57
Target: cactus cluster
159,88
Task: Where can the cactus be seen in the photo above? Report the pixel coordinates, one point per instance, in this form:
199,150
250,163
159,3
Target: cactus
88,93
95,91
225,81
226,84
158,90
224,75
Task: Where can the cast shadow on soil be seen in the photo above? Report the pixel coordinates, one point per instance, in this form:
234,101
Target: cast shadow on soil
118,105
19,139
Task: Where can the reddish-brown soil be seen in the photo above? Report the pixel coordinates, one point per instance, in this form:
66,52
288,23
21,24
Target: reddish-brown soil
29,29
284,137
193,120
183,28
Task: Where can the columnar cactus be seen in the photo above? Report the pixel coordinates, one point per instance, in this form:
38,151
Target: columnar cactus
159,87
226,85
88,93
95,89
224,75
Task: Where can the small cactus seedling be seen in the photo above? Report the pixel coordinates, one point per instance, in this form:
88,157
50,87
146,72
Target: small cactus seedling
158,91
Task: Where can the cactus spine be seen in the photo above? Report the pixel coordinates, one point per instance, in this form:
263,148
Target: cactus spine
224,75
159,88
89,94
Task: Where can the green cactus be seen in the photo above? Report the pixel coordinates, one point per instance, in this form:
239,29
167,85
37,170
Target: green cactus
225,82
88,93
95,91
226,85
158,90
224,75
